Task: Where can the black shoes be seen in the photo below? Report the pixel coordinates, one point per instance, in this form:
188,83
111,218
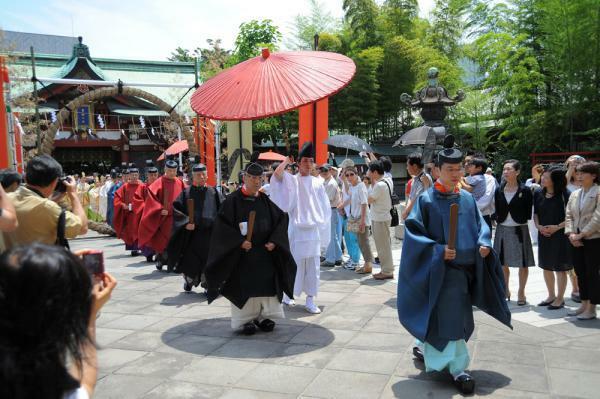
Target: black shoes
187,287
418,353
248,328
546,303
465,384
338,262
150,258
267,325
556,307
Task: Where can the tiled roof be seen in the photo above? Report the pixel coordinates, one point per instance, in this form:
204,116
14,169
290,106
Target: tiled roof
47,44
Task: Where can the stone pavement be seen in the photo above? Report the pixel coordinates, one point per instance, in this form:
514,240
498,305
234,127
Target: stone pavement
159,342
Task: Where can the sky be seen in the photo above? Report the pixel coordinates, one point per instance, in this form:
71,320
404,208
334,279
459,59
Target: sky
151,29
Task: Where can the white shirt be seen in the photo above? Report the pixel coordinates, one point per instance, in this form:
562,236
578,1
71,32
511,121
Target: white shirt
486,203
382,203
359,197
79,393
509,221
345,197
333,192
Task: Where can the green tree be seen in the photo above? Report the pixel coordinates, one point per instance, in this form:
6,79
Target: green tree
305,27
448,26
214,58
184,55
355,110
397,75
361,16
398,17
475,111
330,42
253,36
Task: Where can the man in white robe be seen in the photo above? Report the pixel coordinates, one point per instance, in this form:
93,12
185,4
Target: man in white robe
104,194
304,198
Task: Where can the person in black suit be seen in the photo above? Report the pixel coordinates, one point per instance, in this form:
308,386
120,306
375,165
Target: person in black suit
512,242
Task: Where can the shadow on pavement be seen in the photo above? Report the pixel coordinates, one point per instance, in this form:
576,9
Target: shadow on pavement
155,275
594,323
392,303
439,384
216,337
121,256
184,298
141,263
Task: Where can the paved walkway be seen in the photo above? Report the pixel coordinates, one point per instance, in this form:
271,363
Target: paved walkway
160,342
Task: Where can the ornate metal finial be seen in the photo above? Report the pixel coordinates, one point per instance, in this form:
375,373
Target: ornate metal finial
432,100
80,50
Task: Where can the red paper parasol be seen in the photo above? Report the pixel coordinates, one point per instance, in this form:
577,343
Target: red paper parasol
271,156
175,148
272,84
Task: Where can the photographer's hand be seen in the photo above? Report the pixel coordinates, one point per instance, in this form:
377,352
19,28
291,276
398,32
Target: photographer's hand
77,208
88,373
101,292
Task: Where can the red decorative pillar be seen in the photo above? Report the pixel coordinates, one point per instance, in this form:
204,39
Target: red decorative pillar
313,125
4,147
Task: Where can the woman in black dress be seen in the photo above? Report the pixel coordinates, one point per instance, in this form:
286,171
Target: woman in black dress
549,204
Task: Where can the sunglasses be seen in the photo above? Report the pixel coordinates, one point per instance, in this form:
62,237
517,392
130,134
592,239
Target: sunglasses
350,174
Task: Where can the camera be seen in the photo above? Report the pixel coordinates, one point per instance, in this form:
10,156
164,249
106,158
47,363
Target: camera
94,262
61,187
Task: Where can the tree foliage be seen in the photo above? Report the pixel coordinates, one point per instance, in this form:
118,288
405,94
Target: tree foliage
305,27
252,37
531,69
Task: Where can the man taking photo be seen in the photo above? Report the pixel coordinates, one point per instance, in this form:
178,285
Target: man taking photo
38,215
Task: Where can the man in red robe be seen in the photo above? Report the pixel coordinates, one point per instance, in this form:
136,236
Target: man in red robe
124,219
140,199
157,217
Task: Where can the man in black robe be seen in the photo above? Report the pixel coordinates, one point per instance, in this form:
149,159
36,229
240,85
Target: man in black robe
188,247
253,272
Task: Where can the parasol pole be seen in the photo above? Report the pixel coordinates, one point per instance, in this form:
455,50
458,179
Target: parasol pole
180,153
218,152
241,148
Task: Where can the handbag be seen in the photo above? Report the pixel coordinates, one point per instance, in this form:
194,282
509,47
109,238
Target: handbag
353,224
393,212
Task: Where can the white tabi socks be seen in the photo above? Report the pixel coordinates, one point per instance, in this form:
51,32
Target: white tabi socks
287,301
310,305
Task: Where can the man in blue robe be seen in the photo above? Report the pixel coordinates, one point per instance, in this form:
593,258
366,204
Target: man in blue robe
110,209
438,286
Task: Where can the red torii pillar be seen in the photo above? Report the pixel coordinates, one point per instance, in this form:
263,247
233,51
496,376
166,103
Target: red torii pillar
4,147
313,125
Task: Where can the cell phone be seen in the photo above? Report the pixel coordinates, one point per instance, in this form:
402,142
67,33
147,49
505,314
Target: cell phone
94,262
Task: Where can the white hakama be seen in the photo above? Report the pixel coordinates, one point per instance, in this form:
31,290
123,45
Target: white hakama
306,202
258,308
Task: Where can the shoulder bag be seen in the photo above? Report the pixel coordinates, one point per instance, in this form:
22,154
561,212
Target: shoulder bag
393,211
